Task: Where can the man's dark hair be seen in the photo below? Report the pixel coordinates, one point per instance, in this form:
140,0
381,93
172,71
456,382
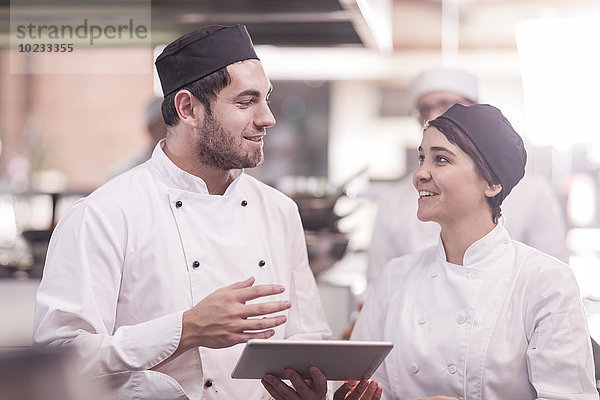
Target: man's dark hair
455,135
205,90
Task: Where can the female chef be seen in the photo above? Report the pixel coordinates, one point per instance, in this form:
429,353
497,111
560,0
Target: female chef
477,316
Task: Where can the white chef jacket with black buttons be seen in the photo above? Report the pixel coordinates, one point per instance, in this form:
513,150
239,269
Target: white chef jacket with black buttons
126,262
531,215
508,325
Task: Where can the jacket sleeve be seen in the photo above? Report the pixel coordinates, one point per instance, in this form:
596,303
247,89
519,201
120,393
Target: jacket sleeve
306,318
370,326
559,353
76,303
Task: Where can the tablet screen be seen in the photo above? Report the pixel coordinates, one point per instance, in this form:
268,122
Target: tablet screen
337,359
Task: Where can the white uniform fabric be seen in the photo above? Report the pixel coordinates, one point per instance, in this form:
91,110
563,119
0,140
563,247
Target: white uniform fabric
125,262
509,324
531,215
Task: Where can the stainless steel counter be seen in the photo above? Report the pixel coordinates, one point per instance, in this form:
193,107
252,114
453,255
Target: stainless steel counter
16,311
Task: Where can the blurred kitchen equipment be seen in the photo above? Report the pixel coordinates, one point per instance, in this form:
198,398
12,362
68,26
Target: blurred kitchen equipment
15,253
27,220
16,258
316,199
319,214
325,249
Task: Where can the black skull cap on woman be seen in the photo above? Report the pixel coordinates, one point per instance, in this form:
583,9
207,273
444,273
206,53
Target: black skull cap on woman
500,145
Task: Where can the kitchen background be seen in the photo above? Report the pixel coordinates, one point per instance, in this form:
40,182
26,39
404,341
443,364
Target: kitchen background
340,71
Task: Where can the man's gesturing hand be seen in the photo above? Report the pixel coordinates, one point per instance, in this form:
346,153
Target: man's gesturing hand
223,318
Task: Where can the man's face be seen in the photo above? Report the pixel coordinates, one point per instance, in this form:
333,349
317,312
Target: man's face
434,104
231,137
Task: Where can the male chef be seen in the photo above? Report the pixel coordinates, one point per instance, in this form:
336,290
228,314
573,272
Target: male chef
158,277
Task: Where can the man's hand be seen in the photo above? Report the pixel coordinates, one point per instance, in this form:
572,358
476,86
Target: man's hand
316,388
223,318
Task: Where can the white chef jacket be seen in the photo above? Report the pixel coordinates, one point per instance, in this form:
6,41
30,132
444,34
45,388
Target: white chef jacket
531,215
507,325
125,262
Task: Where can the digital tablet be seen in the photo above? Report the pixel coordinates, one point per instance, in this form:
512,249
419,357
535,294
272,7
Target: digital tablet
339,360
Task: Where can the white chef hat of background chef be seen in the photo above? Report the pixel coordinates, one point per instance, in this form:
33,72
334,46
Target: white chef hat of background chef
443,79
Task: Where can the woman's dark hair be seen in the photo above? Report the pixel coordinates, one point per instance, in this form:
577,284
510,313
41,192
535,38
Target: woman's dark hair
205,90
456,135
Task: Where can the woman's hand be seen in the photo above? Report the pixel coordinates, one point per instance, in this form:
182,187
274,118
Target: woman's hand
316,387
313,389
362,390
438,398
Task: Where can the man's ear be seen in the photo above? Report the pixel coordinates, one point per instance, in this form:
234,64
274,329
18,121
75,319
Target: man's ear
493,190
187,106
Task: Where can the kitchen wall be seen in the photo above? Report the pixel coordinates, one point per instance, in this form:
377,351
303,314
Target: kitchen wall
75,125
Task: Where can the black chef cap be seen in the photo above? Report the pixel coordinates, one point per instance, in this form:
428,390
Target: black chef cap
200,53
499,144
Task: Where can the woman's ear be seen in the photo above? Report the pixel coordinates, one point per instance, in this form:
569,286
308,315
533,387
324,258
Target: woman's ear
185,105
493,190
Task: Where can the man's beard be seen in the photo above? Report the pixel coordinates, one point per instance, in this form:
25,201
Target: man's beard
219,149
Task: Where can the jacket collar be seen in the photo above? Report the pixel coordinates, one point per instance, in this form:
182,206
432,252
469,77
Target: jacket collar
181,179
480,253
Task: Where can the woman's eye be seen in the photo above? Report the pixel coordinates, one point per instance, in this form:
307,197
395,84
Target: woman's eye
245,103
442,159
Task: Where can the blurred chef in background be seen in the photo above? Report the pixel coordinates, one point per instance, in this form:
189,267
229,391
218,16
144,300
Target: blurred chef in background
531,214
155,129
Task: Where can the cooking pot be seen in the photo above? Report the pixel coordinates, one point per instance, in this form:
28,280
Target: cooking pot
318,212
325,249
316,206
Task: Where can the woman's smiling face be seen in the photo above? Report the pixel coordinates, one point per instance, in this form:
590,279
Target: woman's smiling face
450,189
